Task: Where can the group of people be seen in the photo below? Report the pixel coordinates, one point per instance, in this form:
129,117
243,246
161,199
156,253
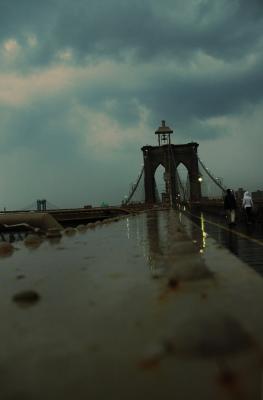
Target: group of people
230,205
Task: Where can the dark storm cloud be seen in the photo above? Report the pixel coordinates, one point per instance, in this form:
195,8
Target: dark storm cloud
147,32
106,28
151,31
180,95
228,30
204,96
19,17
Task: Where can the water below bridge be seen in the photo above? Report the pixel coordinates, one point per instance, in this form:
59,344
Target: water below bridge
244,240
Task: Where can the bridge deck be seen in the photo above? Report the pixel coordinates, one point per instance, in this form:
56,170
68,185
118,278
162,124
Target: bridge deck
130,310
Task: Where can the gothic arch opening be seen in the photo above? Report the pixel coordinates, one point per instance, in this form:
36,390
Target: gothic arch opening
182,183
160,185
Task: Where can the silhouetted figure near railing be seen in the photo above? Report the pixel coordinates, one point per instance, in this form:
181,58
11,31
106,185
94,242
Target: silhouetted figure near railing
230,205
247,204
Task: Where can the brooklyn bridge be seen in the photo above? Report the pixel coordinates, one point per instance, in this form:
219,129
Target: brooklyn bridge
172,176
157,296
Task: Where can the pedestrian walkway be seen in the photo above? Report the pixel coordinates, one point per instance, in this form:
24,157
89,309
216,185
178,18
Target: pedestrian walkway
133,309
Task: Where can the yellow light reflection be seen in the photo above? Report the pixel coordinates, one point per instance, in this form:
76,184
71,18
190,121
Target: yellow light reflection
128,228
180,216
204,234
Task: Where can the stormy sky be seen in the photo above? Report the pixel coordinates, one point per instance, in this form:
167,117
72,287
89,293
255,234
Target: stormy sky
84,85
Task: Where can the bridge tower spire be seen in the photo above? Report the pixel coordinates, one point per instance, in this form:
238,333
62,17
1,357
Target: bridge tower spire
170,156
164,134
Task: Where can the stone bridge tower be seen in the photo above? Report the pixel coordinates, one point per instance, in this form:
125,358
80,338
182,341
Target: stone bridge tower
170,156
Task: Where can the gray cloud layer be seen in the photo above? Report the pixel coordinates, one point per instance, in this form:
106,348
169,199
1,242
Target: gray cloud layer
225,29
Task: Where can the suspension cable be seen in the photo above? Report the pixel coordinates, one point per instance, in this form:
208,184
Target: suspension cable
29,207
52,206
135,187
211,176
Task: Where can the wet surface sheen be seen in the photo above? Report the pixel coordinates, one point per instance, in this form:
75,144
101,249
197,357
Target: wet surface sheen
243,240
129,310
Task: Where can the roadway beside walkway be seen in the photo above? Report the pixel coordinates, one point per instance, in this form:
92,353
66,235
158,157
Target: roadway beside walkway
244,240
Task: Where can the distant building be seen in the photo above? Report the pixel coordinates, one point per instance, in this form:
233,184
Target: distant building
257,195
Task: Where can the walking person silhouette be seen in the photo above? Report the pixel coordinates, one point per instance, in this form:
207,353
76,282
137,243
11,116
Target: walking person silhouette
230,206
247,204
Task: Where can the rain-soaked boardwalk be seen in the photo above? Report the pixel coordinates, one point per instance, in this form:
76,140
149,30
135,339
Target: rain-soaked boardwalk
132,309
